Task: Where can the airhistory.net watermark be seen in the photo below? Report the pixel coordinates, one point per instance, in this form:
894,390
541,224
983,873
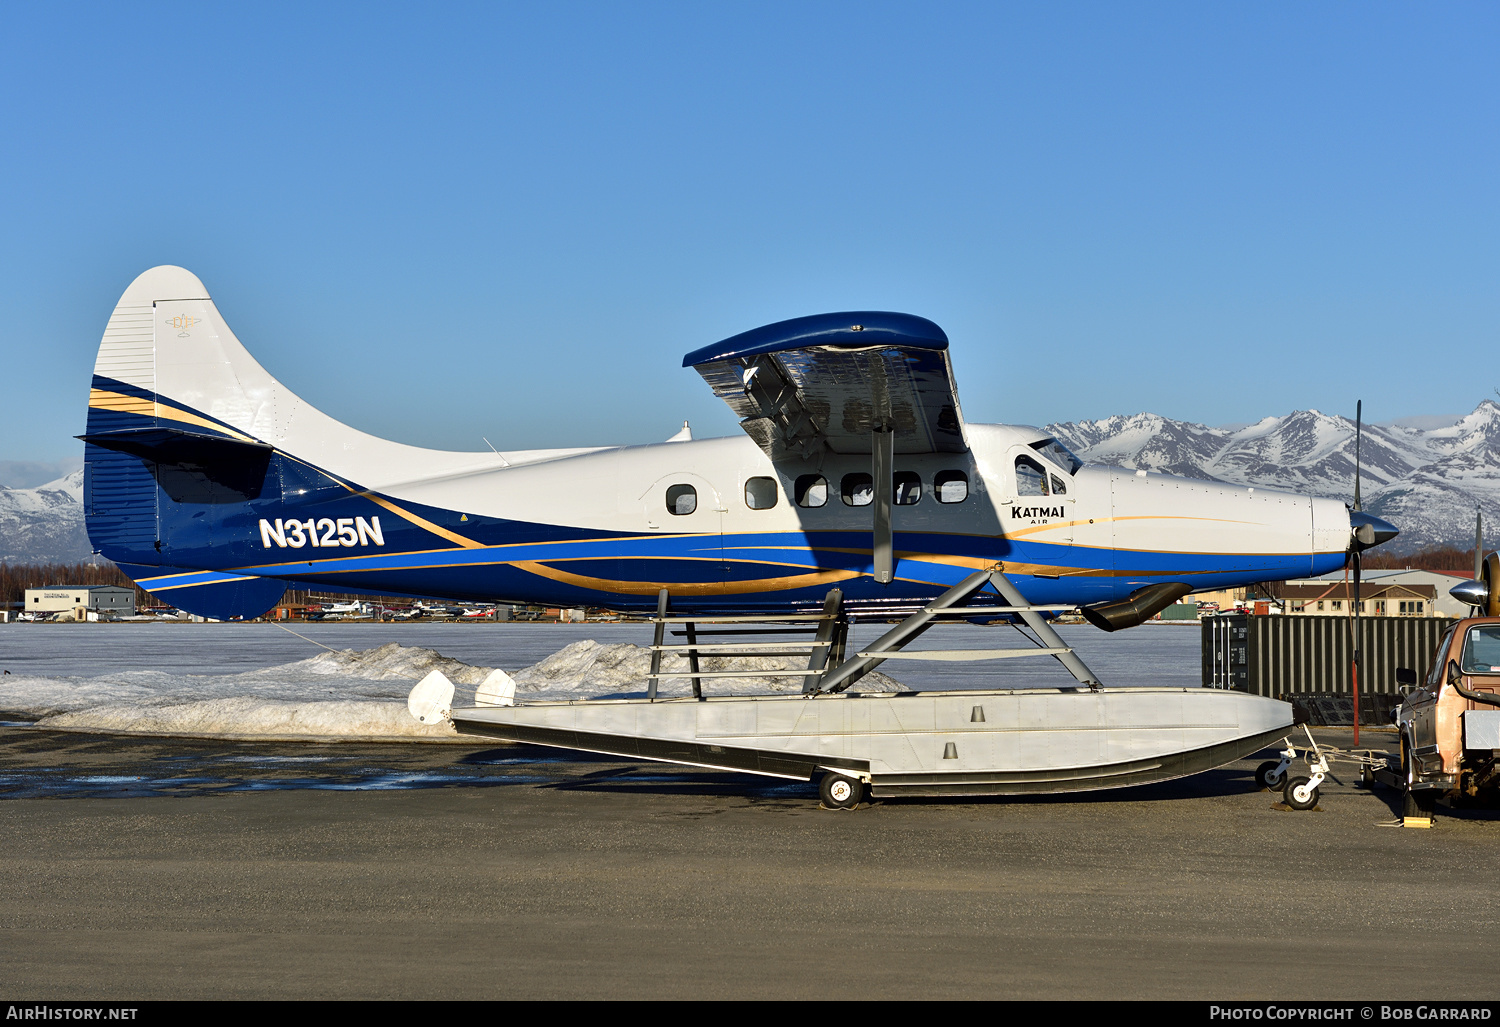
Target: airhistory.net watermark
69,1012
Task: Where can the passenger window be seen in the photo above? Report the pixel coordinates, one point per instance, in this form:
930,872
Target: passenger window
858,489
760,493
907,486
681,499
951,486
1031,479
811,490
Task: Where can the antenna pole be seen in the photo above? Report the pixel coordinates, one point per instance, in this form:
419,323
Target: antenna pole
1359,411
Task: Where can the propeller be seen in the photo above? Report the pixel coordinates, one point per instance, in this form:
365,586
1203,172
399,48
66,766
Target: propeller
1480,607
1475,593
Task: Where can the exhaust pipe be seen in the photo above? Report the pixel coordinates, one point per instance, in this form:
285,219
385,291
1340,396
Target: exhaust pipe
1143,604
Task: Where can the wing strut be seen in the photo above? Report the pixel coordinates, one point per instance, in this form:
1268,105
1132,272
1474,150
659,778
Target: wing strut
882,468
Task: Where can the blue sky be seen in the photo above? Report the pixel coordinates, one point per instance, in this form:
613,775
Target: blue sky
442,222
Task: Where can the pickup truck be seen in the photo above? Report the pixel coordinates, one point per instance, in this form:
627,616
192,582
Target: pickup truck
1450,723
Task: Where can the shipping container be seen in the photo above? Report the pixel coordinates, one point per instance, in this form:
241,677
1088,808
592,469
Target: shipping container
1287,656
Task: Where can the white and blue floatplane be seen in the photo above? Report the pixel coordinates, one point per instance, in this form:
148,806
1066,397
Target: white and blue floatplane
857,489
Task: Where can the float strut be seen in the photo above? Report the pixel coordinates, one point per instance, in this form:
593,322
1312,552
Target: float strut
1045,632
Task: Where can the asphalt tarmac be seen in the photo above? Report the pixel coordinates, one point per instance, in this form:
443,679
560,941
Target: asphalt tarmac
178,868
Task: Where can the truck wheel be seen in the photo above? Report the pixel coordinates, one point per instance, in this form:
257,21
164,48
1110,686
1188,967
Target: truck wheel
1267,777
1299,794
840,792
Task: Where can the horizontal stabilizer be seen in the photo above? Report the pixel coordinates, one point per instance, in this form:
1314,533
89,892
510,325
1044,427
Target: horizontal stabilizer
190,466
173,445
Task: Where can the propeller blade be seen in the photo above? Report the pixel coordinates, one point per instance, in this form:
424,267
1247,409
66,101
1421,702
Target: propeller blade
1478,543
1359,410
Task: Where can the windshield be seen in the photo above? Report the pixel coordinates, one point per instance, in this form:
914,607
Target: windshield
1482,650
1058,454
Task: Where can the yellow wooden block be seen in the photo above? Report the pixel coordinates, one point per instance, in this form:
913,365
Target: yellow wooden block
1416,821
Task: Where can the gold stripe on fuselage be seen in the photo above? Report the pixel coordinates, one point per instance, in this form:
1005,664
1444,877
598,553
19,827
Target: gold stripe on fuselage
702,588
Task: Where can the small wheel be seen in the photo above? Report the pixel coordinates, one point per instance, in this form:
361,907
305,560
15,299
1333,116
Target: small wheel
1267,777
841,792
1299,793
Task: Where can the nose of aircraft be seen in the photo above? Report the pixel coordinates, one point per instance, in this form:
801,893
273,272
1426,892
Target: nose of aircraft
1370,531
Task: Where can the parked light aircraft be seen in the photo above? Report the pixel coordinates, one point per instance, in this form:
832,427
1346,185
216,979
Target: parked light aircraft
212,484
857,489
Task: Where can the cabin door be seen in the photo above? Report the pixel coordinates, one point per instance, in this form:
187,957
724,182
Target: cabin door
687,511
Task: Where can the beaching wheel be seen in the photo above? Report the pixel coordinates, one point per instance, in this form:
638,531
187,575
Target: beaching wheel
1300,793
841,792
1266,775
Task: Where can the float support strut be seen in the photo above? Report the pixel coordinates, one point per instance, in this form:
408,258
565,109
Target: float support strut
1044,632
832,630
951,603
662,599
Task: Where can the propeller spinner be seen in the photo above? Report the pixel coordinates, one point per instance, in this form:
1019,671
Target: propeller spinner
1367,530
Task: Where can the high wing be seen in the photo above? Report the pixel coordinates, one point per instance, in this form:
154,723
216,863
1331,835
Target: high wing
836,381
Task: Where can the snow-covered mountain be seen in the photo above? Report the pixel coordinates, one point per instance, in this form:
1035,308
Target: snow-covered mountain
44,524
1427,482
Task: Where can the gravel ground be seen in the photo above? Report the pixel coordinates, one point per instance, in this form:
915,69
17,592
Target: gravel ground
141,868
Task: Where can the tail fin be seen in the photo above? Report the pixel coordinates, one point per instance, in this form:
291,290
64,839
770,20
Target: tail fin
191,443
167,339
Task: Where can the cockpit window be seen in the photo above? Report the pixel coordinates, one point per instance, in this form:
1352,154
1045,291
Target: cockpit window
1058,454
1058,488
1031,478
1482,650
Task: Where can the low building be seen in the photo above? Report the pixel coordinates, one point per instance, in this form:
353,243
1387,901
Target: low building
1219,599
1380,598
81,601
1441,581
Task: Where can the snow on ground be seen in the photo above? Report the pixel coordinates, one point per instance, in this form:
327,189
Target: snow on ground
234,681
